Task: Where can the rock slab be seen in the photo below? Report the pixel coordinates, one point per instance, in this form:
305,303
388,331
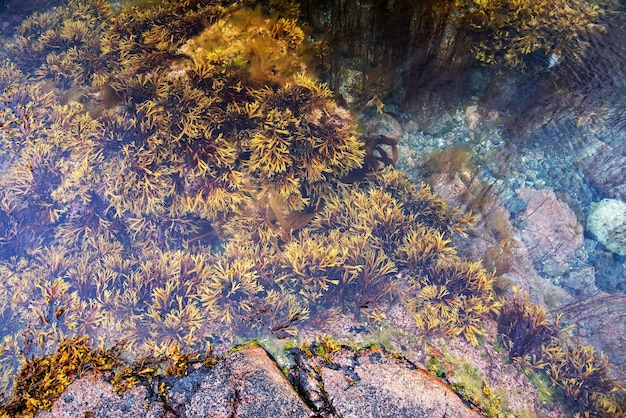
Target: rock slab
374,383
93,397
551,233
248,383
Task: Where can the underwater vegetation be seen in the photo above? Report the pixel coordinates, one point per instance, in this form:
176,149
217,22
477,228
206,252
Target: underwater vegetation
507,33
510,31
524,326
175,177
563,56
582,373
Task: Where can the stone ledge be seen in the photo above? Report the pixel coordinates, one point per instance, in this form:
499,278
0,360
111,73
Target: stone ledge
248,383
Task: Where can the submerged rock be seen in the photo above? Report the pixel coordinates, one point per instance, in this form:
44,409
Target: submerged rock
603,165
383,126
607,223
552,233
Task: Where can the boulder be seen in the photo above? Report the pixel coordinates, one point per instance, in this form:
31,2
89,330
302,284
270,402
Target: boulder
383,126
607,223
246,383
603,166
373,383
551,231
93,397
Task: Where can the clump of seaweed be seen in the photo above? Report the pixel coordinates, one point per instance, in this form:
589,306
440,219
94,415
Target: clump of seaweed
230,289
524,326
63,45
25,108
583,375
350,253
27,159
428,208
511,31
446,294
282,311
305,142
293,138
42,380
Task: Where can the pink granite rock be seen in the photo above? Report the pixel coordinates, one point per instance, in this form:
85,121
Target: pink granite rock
552,233
93,397
374,383
247,383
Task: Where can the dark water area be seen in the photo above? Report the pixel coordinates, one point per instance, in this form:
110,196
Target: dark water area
200,174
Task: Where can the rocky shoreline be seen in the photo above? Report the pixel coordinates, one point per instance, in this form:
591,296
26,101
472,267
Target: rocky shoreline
248,383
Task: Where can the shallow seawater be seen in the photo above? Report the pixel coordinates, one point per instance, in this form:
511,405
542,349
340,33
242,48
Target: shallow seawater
180,178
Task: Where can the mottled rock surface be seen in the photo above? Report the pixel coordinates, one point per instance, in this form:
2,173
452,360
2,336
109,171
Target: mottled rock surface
551,231
383,126
248,383
607,223
373,383
93,397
